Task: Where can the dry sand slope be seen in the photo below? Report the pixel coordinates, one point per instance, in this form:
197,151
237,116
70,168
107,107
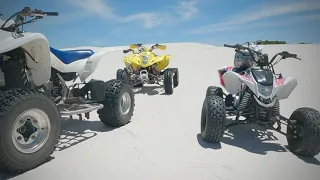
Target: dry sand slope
162,141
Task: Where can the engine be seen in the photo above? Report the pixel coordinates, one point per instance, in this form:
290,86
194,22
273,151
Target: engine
56,84
250,108
151,69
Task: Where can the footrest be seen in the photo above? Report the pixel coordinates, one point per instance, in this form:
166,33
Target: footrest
80,109
75,100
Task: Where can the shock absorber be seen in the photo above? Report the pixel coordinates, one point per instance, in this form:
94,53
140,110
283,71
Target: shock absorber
154,69
137,71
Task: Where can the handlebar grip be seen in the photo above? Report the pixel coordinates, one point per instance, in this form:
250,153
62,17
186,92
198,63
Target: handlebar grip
230,46
126,51
293,55
51,13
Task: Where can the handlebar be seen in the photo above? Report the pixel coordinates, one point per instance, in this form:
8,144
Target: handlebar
295,56
139,45
51,13
229,46
239,46
38,14
126,51
284,54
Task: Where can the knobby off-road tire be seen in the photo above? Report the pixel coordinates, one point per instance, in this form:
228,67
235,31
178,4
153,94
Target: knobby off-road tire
15,76
213,119
168,82
175,77
118,96
14,157
309,144
123,75
214,91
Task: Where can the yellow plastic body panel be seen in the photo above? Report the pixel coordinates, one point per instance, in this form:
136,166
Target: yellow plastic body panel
135,60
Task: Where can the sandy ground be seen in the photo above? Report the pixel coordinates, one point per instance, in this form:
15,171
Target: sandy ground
163,142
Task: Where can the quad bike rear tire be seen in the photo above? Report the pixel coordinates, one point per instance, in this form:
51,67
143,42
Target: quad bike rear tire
309,144
175,77
213,119
168,81
214,91
24,112
123,75
118,104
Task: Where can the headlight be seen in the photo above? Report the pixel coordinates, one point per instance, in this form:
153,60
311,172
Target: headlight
145,59
265,90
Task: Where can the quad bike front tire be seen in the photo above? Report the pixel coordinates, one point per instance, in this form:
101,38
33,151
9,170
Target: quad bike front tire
175,77
308,123
118,104
29,129
123,75
213,119
168,81
214,91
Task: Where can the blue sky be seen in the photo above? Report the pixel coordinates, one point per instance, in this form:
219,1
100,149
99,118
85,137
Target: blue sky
119,22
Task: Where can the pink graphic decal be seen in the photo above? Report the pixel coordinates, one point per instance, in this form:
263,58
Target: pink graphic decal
280,81
221,80
229,68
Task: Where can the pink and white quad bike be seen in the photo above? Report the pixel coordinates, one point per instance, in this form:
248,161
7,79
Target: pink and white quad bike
255,90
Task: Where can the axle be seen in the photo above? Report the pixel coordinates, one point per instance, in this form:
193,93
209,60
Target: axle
292,124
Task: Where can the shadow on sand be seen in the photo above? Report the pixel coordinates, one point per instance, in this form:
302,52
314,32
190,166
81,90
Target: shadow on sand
150,90
207,145
254,139
73,132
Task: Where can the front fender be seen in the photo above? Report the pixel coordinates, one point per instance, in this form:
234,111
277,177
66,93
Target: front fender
126,61
134,59
36,45
284,88
162,61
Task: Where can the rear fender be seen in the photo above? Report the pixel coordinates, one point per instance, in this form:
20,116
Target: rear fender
76,66
93,61
283,87
36,45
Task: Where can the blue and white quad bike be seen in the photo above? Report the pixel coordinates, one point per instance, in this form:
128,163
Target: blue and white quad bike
34,93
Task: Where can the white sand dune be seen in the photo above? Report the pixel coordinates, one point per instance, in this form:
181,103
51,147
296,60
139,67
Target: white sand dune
162,141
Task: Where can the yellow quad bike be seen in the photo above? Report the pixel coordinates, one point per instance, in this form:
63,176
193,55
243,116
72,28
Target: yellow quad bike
145,67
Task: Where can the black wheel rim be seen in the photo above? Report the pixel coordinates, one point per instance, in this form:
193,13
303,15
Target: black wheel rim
296,133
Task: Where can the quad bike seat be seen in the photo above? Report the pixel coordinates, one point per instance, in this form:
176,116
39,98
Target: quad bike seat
70,56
